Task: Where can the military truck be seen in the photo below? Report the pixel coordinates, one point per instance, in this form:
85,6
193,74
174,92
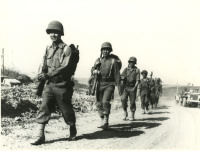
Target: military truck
191,98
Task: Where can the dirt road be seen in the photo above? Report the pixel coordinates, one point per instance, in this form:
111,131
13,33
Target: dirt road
168,127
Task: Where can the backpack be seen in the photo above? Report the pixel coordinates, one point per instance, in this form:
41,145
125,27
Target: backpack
115,57
74,59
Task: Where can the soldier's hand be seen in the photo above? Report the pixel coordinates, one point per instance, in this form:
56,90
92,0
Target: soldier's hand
96,72
43,76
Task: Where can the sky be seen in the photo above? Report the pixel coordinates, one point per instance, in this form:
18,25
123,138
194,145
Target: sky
164,35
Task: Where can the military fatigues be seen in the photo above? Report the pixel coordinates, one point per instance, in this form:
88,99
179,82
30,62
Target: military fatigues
144,89
107,84
158,92
59,87
130,77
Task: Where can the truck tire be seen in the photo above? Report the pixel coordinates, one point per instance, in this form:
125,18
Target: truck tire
180,102
184,102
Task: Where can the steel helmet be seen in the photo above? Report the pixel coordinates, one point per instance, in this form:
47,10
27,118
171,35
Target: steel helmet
134,59
55,25
106,45
144,72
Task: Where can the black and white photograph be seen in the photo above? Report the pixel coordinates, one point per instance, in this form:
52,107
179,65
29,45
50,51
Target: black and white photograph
100,74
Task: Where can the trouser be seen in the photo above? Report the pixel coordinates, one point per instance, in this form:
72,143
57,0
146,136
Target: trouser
153,98
145,101
56,93
128,92
103,98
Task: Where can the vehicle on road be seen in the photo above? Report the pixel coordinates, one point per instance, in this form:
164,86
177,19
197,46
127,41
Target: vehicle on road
191,98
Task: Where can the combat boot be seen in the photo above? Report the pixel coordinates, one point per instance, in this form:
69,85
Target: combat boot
101,123
73,133
132,116
143,111
105,125
40,139
125,115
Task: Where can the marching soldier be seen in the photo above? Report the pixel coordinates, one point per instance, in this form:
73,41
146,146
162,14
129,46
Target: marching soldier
108,73
158,90
57,72
130,78
144,91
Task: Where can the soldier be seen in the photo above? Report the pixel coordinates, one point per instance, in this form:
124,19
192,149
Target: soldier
57,72
109,75
131,78
158,91
144,91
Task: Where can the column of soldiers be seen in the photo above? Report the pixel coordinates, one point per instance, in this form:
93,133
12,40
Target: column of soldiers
59,65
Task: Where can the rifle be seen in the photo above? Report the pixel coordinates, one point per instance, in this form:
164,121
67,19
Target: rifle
151,74
41,83
95,85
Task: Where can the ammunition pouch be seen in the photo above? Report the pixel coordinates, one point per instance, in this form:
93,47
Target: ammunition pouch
107,79
58,79
130,84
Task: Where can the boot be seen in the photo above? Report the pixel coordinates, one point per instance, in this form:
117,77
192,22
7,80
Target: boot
39,140
143,111
73,133
125,115
105,125
132,116
101,122
41,137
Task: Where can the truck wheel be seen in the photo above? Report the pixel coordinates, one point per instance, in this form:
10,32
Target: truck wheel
179,102
184,102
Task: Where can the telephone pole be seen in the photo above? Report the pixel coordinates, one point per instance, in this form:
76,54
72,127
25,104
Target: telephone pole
2,61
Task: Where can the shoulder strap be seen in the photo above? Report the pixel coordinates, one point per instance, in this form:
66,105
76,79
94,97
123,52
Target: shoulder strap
112,62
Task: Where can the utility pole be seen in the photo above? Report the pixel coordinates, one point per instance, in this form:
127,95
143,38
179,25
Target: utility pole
2,61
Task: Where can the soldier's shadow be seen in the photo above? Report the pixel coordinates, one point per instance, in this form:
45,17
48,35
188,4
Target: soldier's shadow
120,131
115,131
159,113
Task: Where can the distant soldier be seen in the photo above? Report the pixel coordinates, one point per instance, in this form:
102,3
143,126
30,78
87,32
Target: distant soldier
144,91
131,78
152,90
108,71
158,90
59,67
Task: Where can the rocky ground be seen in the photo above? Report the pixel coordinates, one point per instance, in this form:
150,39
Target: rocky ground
170,126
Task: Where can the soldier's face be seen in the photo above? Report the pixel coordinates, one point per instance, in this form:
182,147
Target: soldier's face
105,52
131,64
144,75
55,36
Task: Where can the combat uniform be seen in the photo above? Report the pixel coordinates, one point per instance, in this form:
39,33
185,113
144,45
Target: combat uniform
59,87
107,71
107,85
130,76
58,67
144,89
158,92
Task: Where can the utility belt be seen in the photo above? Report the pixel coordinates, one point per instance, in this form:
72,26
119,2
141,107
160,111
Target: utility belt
58,79
130,84
107,79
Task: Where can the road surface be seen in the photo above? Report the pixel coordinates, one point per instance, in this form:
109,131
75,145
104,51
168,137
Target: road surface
170,126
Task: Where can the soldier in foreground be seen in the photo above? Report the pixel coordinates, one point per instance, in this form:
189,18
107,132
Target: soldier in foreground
108,74
144,91
58,68
130,80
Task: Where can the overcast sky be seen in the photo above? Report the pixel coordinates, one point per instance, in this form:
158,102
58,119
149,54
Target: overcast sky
164,35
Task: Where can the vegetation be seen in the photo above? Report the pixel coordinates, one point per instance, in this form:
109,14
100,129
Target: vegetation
23,78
